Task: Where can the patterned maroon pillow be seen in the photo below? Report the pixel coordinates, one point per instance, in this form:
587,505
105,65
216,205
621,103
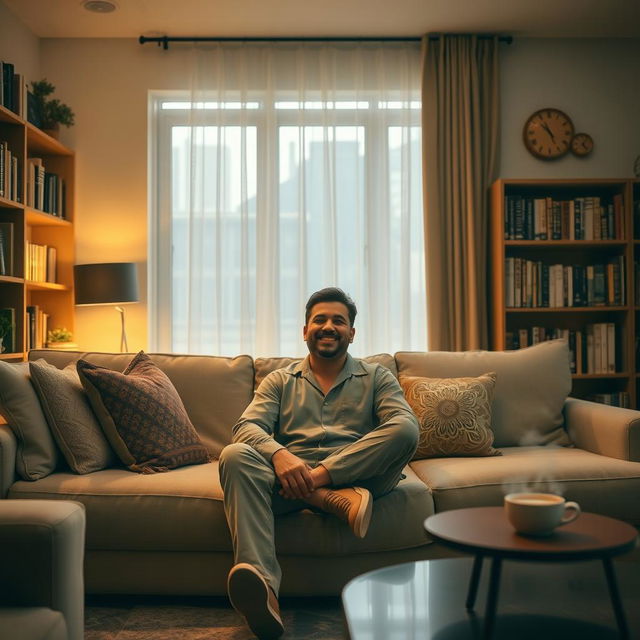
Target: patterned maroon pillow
142,416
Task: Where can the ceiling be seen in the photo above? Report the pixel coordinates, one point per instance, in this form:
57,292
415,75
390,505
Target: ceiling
233,18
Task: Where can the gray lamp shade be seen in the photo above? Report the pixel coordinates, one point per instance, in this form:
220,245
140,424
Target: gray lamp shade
106,283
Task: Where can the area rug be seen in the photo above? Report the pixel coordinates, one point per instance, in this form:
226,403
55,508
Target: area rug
160,618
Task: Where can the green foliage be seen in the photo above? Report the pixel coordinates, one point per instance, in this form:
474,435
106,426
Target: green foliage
59,335
5,326
51,111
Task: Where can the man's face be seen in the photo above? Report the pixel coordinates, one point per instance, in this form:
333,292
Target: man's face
328,332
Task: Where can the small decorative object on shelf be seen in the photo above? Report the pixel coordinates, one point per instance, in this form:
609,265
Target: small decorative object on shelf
60,339
49,114
7,330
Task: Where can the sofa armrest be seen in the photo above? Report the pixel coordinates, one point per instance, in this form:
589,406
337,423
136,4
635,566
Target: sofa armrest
603,429
8,452
41,558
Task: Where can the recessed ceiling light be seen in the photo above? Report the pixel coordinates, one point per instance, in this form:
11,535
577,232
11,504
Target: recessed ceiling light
100,6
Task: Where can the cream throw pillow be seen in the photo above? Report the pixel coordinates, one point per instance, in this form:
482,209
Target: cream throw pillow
454,415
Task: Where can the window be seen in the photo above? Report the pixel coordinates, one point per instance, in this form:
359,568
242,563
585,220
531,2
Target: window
262,198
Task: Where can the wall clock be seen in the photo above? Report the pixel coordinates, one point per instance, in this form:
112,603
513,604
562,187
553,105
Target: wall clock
548,133
582,144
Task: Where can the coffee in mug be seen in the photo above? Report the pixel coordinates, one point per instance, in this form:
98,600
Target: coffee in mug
538,514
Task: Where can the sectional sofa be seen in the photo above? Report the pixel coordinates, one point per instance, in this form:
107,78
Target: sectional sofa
165,533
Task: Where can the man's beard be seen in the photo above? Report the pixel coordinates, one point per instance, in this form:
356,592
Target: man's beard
329,351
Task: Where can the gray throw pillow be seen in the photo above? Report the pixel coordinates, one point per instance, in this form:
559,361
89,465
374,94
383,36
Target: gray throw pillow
37,454
73,423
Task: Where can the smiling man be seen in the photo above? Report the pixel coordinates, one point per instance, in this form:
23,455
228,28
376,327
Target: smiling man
331,432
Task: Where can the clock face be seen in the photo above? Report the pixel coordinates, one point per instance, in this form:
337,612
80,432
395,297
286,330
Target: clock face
548,133
582,144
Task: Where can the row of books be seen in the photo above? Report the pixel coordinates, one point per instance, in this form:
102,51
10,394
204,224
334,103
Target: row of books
6,249
616,399
46,191
531,284
10,174
593,349
584,218
8,325
41,264
37,327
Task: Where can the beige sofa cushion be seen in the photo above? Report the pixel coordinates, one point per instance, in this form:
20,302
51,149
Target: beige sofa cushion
185,508
608,486
19,406
201,381
531,387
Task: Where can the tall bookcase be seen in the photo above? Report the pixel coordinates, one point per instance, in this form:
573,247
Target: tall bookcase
562,265
25,221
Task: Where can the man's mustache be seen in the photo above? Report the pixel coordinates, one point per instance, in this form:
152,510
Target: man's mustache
328,334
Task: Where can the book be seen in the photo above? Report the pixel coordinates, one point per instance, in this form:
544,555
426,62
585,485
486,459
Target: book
6,249
7,84
33,113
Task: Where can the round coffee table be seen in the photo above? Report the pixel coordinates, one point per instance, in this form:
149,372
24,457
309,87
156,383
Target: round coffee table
486,532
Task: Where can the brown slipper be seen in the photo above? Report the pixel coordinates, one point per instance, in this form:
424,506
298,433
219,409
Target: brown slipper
251,596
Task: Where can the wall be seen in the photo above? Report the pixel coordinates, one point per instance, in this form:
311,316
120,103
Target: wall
19,45
594,81
106,83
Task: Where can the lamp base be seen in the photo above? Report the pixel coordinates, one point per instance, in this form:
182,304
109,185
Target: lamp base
124,347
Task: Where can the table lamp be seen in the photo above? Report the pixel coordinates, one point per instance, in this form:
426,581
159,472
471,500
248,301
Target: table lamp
113,283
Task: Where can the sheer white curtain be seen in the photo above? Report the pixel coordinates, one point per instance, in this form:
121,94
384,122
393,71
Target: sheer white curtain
286,169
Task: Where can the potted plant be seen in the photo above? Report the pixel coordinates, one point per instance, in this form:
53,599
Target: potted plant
6,327
50,113
60,339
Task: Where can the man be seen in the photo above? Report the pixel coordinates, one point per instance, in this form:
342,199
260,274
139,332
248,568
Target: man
330,432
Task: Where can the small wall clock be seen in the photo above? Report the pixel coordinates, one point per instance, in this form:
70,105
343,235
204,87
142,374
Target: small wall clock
548,133
582,144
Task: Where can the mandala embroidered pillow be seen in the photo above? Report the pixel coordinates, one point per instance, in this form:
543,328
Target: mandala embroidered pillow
142,416
454,415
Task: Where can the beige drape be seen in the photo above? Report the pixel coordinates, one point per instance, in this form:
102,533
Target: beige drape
460,141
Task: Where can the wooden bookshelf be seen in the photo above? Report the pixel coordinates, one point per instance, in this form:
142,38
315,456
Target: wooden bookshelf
34,225
634,197
548,239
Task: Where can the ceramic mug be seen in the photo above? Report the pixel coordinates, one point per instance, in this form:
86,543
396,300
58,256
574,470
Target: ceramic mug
538,514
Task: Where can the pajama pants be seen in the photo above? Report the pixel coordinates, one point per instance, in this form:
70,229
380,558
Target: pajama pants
251,498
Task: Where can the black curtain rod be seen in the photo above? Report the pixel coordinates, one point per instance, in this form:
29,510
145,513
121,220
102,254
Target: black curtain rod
163,41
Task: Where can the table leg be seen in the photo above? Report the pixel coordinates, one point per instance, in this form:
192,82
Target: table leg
473,583
614,592
492,598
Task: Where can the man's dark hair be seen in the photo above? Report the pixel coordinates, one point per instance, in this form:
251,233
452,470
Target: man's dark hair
331,294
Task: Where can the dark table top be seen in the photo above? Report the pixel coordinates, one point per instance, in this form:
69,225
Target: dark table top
487,531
